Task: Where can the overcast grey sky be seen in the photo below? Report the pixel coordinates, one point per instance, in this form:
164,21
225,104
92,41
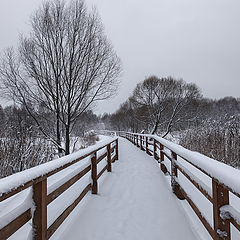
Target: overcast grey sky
197,40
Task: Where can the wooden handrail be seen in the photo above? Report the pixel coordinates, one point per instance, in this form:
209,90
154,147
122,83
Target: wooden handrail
219,196
38,212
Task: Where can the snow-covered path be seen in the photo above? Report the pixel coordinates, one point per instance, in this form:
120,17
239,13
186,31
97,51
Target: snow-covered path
134,202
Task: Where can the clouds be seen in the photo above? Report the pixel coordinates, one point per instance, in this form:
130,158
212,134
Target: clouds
190,39
194,40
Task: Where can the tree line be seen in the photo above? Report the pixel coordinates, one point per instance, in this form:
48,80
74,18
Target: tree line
166,106
23,145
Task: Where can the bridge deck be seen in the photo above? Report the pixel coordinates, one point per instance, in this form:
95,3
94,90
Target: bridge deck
134,202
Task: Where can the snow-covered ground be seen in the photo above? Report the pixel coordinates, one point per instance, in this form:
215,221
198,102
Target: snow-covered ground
134,202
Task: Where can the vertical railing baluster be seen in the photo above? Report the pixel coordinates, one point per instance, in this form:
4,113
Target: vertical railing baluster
155,149
174,175
40,212
147,150
117,153
94,174
109,159
220,198
162,165
141,147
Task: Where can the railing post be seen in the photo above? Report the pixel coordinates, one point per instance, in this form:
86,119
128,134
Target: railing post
116,146
141,147
162,165
155,149
137,140
40,213
94,174
147,150
174,174
109,159
220,198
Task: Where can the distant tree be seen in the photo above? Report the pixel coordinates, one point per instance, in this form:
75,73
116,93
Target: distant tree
123,118
63,66
2,120
86,122
164,101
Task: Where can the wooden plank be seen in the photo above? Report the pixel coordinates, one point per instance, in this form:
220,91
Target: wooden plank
236,225
199,214
117,154
13,226
101,157
162,165
53,195
20,188
141,143
137,142
147,150
109,161
168,157
40,213
102,171
114,158
94,174
174,175
67,211
155,149
220,198
202,190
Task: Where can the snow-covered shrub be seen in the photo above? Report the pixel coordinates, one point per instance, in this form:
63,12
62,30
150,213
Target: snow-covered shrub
19,154
90,138
218,139
21,145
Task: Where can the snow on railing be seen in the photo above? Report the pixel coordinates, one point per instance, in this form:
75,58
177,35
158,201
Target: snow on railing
224,178
35,205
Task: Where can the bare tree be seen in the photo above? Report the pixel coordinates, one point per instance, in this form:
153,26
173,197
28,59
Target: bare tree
64,66
164,100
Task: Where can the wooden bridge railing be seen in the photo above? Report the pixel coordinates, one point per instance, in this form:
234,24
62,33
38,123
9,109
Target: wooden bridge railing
36,178
218,195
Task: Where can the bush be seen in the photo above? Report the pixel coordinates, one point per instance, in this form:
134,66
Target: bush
90,138
17,154
218,139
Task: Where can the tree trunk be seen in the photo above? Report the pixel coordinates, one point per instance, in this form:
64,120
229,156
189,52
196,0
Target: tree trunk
60,150
67,140
155,128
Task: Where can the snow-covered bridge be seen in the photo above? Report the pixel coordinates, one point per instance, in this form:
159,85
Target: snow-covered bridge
135,199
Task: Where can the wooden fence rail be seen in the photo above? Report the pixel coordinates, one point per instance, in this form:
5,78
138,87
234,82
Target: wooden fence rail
42,200
218,195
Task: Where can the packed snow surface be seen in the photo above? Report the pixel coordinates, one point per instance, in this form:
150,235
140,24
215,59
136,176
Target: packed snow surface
134,202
